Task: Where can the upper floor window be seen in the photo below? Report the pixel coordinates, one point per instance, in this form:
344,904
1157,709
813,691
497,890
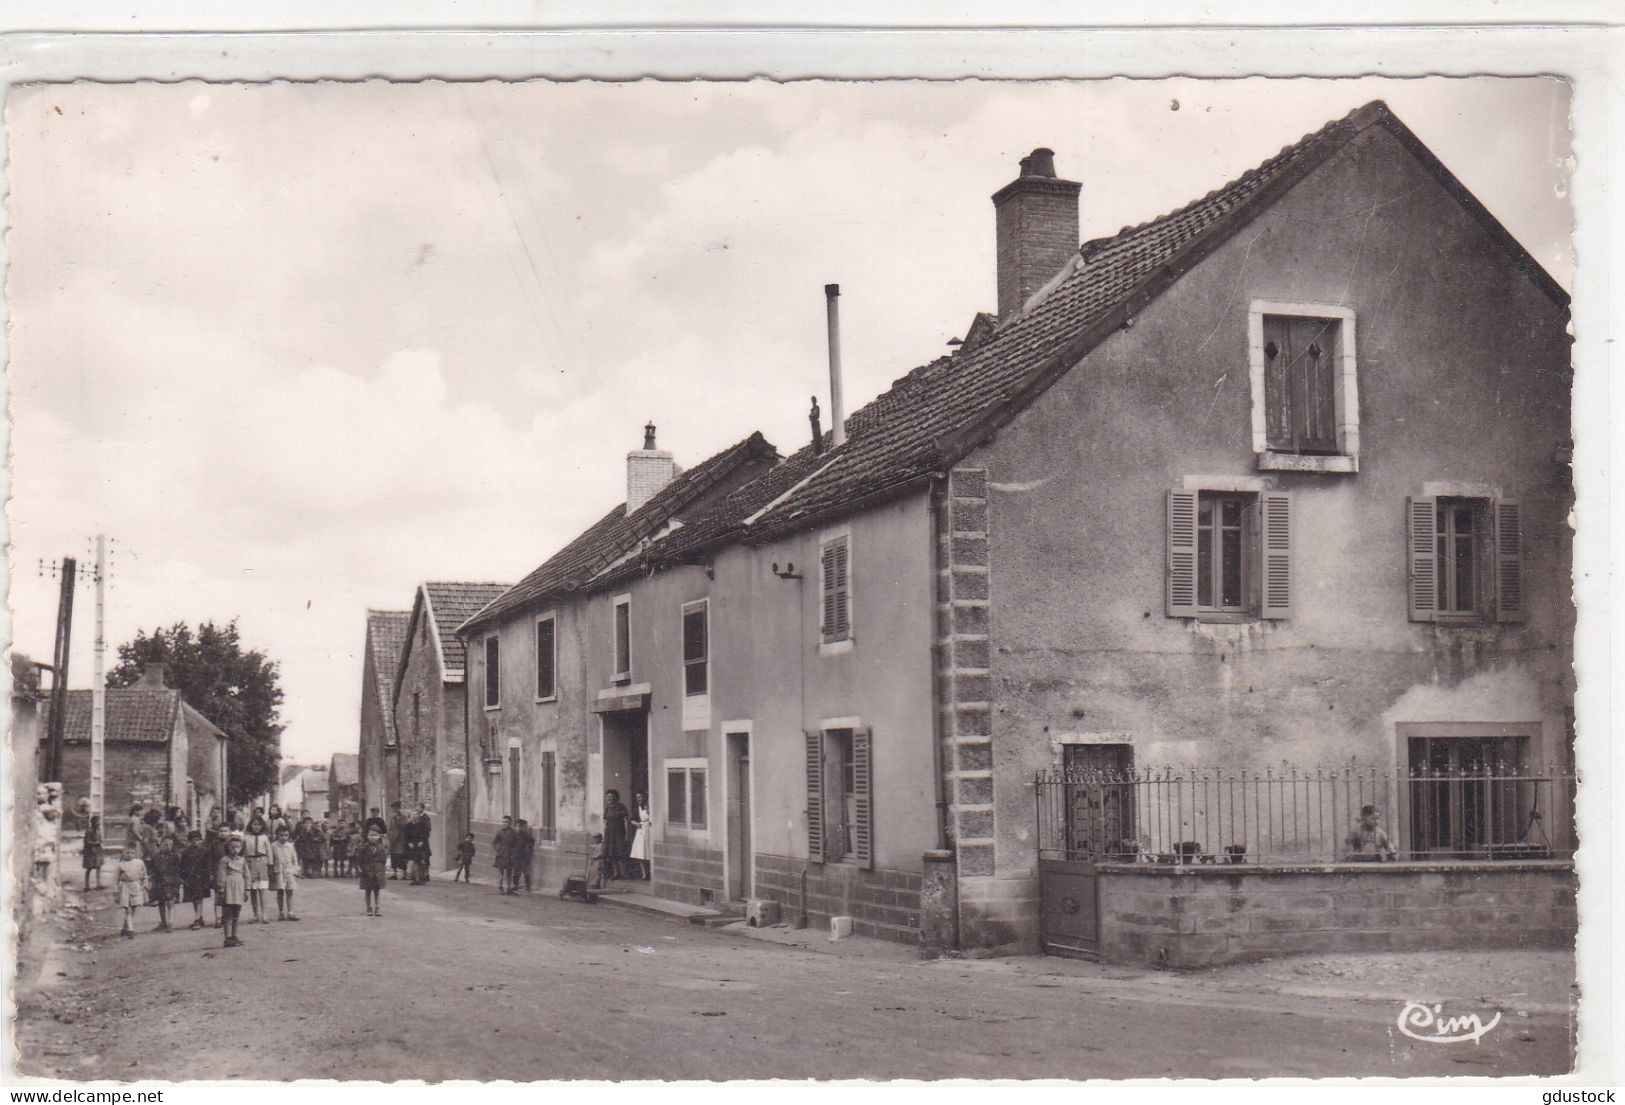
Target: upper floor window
1305,404
546,657
836,624
696,649
493,673
623,637
1229,554
1466,559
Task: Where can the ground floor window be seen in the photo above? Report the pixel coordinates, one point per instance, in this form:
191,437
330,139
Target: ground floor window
1469,795
1101,808
686,796
839,796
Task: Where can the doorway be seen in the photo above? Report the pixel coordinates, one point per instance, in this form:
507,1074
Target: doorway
626,760
741,850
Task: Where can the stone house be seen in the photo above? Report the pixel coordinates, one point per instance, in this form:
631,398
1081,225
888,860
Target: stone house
431,715
379,749
158,751
1277,478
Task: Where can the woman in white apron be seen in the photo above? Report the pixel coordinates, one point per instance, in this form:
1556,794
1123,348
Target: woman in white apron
641,826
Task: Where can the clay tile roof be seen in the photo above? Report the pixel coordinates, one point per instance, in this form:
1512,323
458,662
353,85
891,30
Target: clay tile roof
386,640
453,604
936,413
615,535
346,769
134,714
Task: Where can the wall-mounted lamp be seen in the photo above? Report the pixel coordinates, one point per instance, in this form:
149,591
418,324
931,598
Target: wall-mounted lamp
789,571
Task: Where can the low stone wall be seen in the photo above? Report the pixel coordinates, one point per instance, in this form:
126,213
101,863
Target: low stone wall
883,904
1200,916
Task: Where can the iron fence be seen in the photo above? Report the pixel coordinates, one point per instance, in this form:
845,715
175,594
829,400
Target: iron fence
1304,815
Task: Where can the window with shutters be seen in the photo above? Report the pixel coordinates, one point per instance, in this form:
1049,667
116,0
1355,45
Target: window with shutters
686,794
835,624
1229,554
622,634
547,659
550,797
493,674
839,797
1466,560
1305,403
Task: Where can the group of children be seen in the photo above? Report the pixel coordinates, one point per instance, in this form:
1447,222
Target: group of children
235,866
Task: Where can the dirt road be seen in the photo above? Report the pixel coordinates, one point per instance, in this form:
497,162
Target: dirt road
458,982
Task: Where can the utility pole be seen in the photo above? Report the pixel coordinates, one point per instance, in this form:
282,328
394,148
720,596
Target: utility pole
59,672
98,688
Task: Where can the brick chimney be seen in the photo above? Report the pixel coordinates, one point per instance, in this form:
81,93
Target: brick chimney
647,470
1037,227
152,675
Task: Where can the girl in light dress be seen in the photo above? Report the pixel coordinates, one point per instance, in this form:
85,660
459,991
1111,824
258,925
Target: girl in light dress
257,850
231,888
130,886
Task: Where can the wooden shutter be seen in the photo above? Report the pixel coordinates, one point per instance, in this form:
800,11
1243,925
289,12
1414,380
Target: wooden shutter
837,625
1275,548
1181,554
815,796
1277,394
1508,536
549,797
1421,543
863,834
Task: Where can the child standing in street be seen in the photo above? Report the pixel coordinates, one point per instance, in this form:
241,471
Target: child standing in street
284,874
165,875
130,885
465,860
231,888
257,850
197,872
91,853
372,857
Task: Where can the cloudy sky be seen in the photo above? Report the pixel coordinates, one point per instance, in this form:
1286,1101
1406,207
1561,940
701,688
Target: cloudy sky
297,347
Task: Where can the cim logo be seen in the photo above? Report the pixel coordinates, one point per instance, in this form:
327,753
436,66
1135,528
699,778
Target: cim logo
1418,1017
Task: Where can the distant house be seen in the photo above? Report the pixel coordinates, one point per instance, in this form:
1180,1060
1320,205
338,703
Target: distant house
344,786
379,750
429,706
159,751
304,790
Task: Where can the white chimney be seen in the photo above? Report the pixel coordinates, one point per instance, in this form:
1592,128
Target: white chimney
647,471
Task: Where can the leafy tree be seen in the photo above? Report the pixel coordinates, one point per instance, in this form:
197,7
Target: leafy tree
234,688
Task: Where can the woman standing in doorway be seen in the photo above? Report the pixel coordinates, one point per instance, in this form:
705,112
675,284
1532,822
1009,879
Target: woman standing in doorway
617,844
642,824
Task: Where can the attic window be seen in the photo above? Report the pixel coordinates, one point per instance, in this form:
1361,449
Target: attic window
1305,408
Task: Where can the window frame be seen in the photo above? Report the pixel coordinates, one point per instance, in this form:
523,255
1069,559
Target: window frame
491,661
1463,796
620,634
702,608
1345,389
552,694
688,768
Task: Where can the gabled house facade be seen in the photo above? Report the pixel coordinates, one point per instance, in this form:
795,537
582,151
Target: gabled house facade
1279,478
379,748
429,702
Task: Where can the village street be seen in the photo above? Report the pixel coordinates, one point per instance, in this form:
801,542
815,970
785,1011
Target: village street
458,982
